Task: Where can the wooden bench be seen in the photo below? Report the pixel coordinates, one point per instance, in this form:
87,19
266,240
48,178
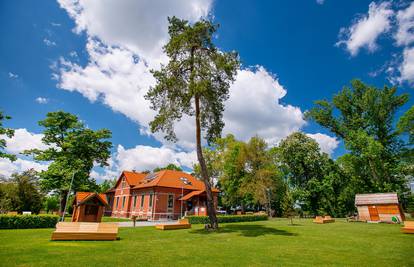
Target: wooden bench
408,227
85,231
182,224
323,219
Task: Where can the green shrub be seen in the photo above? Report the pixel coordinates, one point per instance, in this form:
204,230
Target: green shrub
28,221
227,218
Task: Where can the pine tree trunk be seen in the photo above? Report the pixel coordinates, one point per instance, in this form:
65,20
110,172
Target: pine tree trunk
211,211
63,196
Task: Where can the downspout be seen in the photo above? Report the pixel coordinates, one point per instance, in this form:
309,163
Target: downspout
154,204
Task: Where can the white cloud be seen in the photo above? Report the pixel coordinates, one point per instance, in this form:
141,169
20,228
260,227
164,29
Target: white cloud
320,2
13,75
113,76
143,158
23,140
54,24
140,26
123,46
7,167
326,142
254,109
120,82
49,42
365,31
147,158
406,68
73,54
42,100
405,20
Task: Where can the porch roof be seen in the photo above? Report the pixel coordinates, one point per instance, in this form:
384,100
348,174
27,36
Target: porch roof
191,194
82,197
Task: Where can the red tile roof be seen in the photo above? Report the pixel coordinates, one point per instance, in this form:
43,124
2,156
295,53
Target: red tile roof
133,178
191,194
82,197
170,178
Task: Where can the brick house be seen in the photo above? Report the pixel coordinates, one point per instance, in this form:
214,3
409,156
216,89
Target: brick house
165,194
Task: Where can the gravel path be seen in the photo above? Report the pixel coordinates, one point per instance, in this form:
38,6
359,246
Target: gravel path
145,223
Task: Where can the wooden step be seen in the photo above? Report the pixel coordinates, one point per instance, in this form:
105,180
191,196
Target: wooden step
85,231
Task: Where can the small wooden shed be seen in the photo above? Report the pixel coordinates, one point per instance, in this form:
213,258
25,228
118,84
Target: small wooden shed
88,207
379,207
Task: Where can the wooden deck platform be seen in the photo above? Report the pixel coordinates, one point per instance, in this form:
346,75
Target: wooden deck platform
323,219
408,227
85,231
182,224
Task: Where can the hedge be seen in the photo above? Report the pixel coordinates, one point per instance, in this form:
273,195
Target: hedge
28,221
227,218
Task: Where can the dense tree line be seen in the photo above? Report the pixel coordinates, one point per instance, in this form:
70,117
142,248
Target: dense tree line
73,150
295,174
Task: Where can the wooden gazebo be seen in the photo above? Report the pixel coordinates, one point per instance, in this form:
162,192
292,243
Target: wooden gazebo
88,207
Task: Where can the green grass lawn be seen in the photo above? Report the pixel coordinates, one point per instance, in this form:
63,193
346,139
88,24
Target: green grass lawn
266,243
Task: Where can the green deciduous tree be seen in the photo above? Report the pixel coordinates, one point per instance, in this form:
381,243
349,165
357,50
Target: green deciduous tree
245,173
170,166
195,82
363,117
106,185
21,193
314,178
9,200
5,132
28,191
51,203
73,150
406,125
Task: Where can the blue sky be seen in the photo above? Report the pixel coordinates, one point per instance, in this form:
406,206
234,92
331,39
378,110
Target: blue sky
92,59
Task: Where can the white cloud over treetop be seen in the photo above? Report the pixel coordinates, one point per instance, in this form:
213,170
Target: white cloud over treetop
7,167
326,142
254,109
124,43
23,140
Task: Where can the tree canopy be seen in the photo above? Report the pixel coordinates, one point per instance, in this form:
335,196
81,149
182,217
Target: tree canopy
5,132
363,117
73,150
170,166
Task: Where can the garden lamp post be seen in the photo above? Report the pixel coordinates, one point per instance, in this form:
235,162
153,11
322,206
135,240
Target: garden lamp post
184,181
67,197
268,198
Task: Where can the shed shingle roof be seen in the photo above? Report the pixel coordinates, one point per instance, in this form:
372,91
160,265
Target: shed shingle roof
82,197
376,199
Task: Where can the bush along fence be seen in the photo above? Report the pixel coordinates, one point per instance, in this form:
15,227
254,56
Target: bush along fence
28,221
227,218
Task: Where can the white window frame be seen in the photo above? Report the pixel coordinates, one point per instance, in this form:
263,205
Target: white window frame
168,200
150,201
141,204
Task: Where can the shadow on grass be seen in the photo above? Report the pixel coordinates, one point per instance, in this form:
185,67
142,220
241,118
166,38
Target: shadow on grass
248,230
